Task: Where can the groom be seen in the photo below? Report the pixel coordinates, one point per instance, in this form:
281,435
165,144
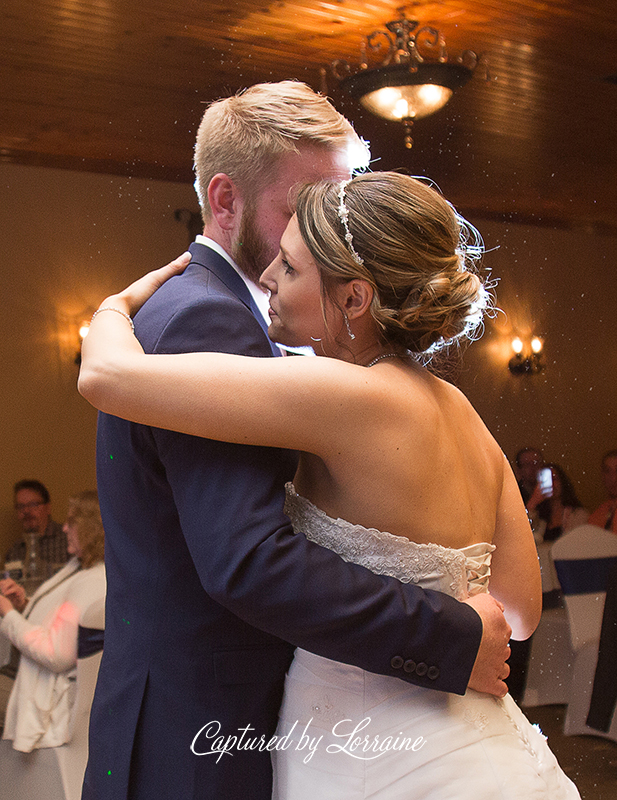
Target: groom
209,589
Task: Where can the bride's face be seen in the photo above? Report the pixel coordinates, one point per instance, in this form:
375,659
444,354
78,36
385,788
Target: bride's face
297,307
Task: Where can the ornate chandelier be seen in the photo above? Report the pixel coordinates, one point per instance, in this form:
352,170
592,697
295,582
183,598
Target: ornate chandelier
414,78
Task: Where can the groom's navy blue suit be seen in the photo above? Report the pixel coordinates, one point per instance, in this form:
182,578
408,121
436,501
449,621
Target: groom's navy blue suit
209,588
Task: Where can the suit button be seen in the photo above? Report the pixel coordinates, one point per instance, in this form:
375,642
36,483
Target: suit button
409,666
433,673
397,662
421,669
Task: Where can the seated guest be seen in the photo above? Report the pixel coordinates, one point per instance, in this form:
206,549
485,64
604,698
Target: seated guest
45,629
604,516
559,513
33,509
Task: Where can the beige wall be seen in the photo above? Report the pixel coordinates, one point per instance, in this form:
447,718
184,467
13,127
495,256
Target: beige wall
68,239
559,284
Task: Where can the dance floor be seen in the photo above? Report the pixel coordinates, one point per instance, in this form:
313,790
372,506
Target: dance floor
590,761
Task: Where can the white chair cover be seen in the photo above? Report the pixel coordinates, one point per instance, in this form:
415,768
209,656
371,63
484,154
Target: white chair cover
550,661
584,558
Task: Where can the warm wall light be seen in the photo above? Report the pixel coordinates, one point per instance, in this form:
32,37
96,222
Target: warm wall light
527,359
415,77
84,327
72,322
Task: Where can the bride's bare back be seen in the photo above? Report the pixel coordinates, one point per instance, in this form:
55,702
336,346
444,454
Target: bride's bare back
423,465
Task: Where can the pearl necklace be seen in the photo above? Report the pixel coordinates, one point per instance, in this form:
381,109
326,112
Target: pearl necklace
385,355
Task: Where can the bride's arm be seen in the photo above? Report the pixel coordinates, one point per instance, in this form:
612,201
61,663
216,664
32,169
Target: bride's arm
293,403
296,403
515,572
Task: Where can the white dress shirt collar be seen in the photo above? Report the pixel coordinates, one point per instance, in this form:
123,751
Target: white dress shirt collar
261,298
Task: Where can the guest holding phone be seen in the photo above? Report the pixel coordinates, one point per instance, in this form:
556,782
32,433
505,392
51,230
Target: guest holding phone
560,510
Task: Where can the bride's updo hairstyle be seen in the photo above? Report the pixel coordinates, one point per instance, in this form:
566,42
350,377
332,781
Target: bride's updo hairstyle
410,245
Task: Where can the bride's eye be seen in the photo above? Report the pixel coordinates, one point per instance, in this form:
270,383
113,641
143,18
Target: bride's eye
287,266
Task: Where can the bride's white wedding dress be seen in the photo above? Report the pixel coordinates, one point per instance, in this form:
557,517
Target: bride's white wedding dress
411,743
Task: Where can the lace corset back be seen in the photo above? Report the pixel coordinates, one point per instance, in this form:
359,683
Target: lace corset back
459,573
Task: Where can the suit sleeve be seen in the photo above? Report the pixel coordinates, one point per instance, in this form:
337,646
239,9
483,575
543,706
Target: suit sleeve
230,502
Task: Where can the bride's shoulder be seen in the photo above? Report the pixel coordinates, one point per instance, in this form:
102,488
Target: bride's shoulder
454,405
449,393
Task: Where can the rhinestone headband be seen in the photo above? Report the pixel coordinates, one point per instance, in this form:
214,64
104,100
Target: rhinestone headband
343,213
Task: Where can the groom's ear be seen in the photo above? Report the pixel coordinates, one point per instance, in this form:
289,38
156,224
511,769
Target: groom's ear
225,201
357,296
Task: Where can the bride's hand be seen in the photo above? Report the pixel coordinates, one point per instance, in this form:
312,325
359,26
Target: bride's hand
108,343
107,340
131,299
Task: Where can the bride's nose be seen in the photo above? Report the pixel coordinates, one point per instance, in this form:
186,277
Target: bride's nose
266,281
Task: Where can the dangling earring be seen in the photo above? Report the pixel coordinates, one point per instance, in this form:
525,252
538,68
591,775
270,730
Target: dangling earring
348,326
313,339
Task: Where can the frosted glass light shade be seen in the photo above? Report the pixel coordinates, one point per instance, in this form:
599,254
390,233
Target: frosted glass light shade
406,102
400,92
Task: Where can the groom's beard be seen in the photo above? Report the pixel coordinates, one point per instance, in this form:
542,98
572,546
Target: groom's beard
250,251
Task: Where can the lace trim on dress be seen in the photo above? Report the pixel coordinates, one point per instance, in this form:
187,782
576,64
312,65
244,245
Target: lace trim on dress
466,571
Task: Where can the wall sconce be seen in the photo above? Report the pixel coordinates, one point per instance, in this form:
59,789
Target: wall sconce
72,323
84,327
527,359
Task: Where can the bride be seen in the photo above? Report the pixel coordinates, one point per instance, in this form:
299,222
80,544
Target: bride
397,473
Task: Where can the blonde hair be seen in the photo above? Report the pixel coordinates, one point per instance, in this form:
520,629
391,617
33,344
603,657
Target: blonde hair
418,255
243,136
85,514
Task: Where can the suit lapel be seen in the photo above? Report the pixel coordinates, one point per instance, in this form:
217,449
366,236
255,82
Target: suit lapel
211,260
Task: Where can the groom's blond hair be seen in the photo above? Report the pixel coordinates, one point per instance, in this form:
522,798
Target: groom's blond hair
243,136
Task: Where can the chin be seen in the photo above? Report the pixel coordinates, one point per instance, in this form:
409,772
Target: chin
287,341
286,338
277,336
272,335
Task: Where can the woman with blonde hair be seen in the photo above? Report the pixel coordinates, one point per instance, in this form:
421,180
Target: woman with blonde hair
45,629
397,472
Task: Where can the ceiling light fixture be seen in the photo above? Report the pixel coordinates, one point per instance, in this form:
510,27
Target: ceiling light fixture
415,78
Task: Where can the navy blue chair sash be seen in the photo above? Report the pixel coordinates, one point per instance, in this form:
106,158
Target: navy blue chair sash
89,641
585,575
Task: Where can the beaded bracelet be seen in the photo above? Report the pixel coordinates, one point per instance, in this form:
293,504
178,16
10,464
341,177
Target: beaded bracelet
118,311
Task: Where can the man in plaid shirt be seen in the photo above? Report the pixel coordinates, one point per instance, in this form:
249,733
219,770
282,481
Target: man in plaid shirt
33,509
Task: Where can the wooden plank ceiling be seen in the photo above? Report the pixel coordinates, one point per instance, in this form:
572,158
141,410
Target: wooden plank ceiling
114,86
